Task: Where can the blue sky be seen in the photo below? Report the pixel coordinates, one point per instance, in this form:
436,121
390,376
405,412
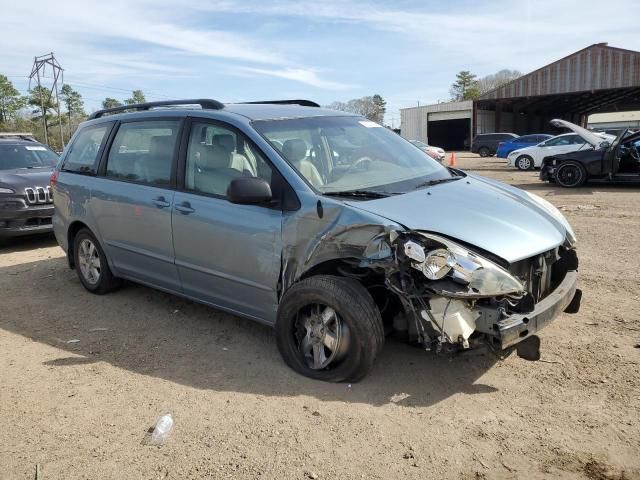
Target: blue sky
407,51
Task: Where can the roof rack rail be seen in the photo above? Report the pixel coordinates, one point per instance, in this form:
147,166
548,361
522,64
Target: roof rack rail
205,103
303,103
21,135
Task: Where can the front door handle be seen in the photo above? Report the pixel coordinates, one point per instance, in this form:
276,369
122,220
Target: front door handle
184,208
160,202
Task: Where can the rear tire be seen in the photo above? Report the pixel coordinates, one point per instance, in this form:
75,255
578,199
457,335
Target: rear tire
484,152
91,264
570,174
524,162
348,341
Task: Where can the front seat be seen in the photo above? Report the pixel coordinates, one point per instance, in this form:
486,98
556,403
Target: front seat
295,151
238,161
213,173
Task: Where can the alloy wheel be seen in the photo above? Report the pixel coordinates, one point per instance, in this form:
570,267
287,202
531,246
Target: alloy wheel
569,175
322,338
524,163
89,260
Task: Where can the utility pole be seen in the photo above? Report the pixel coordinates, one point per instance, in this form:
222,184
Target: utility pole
38,71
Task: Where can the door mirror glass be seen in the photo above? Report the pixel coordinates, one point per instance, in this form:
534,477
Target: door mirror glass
249,191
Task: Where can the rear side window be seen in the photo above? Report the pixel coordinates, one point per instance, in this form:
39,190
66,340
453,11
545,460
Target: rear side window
83,152
504,136
143,152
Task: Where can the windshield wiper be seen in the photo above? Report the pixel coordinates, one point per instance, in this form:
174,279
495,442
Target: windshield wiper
359,194
430,183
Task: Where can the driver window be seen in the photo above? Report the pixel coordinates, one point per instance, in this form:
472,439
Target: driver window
576,140
558,141
301,151
216,155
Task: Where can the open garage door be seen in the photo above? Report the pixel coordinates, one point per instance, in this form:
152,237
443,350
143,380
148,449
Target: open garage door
449,134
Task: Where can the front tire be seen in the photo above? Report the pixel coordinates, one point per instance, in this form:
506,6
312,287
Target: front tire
91,264
570,174
524,162
329,329
484,152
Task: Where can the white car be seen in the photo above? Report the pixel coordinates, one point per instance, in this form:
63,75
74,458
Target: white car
531,157
436,153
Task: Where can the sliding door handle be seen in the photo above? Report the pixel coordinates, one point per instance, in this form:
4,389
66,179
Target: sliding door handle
184,208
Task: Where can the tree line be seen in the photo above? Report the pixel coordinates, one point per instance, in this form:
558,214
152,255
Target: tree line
469,87
371,107
24,113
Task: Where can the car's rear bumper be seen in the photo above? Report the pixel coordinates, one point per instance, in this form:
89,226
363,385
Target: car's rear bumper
518,327
26,221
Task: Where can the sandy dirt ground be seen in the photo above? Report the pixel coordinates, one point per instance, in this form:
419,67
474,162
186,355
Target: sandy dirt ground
83,377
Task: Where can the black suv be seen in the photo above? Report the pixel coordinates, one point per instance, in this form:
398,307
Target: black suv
26,204
486,144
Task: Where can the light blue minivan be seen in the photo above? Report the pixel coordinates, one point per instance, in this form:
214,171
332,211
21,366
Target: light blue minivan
325,225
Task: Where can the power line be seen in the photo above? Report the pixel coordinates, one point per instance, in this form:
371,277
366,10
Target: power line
96,86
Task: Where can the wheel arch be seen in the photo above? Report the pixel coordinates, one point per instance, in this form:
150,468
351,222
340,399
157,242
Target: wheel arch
74,227
388,303
72,231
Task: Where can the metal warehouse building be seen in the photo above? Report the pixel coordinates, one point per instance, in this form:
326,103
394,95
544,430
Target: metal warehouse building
596,79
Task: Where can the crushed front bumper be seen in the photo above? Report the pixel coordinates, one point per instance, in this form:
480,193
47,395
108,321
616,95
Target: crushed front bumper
516,328
547,172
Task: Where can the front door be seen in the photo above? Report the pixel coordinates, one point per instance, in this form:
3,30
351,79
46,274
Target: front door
227,254
133,199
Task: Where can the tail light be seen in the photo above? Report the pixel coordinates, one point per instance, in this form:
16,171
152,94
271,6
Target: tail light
53,180
432,154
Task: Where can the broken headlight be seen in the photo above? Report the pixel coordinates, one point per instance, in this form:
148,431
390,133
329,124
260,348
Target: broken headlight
450,264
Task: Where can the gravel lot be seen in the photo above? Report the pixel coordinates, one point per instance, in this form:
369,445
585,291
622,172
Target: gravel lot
82,378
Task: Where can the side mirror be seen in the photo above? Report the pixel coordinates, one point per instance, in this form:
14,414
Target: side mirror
605,144
249,191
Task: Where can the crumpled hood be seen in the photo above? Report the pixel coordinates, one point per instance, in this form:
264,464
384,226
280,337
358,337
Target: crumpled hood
491,215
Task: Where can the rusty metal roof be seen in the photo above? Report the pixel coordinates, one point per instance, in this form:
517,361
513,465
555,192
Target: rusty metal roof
597,67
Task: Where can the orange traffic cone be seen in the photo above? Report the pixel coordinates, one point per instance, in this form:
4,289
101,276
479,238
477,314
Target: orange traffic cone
452,160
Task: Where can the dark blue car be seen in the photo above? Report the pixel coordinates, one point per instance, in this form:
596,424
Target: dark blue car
505,148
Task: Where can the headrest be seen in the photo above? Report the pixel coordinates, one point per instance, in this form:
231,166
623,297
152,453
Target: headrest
212,157
161,145
295,149
226,142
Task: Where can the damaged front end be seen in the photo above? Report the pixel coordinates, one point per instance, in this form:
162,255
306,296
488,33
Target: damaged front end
454,298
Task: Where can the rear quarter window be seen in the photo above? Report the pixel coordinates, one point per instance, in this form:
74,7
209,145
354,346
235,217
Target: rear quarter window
83,152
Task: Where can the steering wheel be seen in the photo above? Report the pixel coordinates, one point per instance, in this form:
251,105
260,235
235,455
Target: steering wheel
633,151
358,164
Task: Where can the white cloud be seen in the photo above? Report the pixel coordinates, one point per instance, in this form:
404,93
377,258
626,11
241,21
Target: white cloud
306,76
91,34
130,42
522,34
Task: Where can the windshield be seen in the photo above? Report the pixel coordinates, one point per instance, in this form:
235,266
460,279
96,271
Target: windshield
341,154
26,156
